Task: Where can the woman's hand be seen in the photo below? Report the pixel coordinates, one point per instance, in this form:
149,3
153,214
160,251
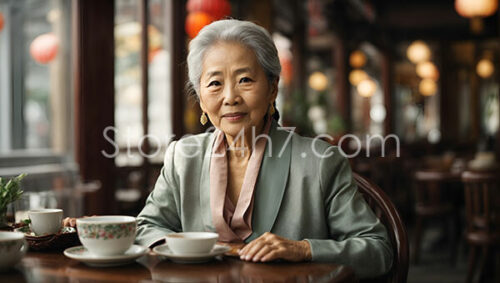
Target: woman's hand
270,247
69,222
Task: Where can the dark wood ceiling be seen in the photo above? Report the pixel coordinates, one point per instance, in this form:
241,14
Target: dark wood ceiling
405,19
434,19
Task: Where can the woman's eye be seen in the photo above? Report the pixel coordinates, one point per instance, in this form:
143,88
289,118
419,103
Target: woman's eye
214,83
245,80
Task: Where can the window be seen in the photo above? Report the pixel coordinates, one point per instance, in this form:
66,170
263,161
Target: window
488,88
130,107
35,98
416,104
36,122
368,110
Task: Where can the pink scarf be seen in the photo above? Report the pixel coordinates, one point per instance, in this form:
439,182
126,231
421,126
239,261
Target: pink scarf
234,223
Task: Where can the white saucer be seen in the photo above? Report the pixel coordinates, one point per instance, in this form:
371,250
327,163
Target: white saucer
80,253
191,258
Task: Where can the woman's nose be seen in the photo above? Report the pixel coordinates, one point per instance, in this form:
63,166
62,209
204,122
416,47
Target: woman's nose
231,95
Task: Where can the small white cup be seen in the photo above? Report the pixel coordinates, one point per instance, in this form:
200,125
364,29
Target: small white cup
191,242
45,221
13,246
107,235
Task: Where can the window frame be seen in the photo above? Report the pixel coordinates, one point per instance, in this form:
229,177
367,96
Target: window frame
14,156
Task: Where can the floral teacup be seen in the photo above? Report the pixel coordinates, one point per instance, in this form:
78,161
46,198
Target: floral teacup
107,235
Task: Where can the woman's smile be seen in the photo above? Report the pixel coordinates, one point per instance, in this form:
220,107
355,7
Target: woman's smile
234,116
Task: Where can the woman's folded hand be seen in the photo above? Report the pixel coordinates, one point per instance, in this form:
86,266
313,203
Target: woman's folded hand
270,247
70,222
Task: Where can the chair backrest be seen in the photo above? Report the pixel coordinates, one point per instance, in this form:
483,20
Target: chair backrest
431,185
482,200
389,216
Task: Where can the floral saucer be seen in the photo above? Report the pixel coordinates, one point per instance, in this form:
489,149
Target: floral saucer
163,250
80,253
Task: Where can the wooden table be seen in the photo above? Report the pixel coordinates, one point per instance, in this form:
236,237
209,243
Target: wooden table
55,267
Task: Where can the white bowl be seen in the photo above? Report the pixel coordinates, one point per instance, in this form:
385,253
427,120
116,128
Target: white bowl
13,246
107,235
191,242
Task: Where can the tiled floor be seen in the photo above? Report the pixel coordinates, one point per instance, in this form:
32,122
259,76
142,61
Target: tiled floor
435,264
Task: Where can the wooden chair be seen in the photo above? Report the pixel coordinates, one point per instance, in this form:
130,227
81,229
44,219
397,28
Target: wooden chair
389,216
482,206
434,199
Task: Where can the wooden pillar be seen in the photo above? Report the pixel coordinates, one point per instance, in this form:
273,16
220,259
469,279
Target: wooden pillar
59,91
261,12
497,145
448,101
366,107
475,106
340,55
178,66
93,47
299,48
145,147
387,82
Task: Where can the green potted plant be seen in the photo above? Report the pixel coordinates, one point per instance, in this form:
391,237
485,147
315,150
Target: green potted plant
10,191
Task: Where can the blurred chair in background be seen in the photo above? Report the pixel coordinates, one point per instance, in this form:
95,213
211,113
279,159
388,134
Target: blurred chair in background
435,198
482,202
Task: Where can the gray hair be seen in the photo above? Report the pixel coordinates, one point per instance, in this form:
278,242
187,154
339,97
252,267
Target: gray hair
250,35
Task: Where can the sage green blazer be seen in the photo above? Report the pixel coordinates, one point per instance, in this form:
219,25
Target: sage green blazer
298,195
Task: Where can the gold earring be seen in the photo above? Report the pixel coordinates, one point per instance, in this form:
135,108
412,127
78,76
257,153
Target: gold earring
203,118
271,109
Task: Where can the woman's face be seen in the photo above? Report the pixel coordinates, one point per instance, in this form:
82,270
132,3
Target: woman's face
234,89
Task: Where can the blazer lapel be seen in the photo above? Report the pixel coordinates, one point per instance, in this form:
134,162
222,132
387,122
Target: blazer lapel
205,187
271,183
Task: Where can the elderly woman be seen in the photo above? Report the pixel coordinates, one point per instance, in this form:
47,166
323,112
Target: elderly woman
286,196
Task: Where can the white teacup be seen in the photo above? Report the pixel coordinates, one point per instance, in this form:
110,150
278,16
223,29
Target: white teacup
191,242
107,235
46,221
13,246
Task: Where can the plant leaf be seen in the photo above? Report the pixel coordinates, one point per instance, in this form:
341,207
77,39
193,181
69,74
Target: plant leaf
11,191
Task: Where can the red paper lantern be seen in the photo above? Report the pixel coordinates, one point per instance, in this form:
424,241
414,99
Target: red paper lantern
44,48
1,21
215,8
196,21
286,70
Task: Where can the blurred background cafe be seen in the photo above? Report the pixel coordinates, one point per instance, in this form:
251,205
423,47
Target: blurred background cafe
92,92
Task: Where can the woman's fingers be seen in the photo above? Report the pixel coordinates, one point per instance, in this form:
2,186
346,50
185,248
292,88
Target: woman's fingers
256,246
250,245
261,253
244,250
273,255
261,246
270,247
69,222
